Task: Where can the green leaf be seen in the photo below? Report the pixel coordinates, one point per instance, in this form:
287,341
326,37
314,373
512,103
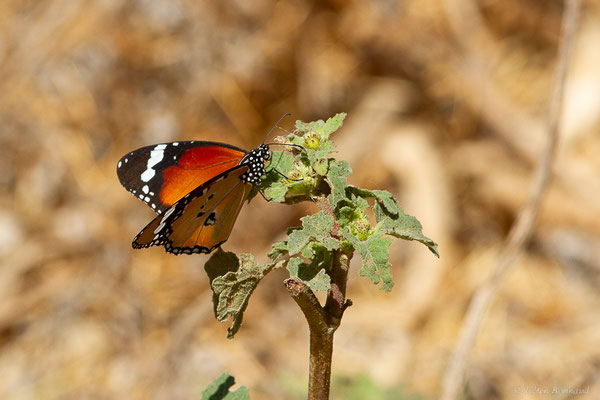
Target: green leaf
391,218
233,280
304,127
283,161
345,215
321,166
297,240
274,185
334,123
379,247
330,243
315,156
320,282
219,389
318,225
336,177
359,203
313,274
383,197
276,192
323,130
314,227
402,226
278,249
387,200
375,254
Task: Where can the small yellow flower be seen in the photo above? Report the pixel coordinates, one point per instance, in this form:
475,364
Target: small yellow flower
312,140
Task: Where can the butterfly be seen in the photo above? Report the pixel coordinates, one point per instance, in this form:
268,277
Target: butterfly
197,189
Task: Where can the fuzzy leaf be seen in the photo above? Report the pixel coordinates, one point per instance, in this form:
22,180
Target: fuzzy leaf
330,243
402,226
278,249
321,166
320,282
315,156
274,185
282,161
336,177
334,123
391,218
323,130
318,225
276,192
304,127
359,203
375,253
387,200
313,274
233,280
383,196
219,389
297,240
345,215
314,227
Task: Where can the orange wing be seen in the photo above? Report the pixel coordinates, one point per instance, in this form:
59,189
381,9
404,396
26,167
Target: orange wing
196,166
161,174
202,220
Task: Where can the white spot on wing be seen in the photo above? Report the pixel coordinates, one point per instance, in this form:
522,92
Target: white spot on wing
167,213
175,143
145,189
159,228
119,165
156,156
148,174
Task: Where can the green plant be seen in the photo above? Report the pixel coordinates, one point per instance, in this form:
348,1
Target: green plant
318,253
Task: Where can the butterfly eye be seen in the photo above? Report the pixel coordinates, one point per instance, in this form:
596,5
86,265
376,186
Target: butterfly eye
267,156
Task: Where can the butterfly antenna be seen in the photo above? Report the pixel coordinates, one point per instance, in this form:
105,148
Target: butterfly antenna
286,177
288,144
263,195
274,126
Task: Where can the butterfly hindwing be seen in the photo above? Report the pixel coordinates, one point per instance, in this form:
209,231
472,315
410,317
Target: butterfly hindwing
203,219
161,174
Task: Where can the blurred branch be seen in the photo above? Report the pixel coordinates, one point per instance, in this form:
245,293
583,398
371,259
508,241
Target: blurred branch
480,50
523,227
469,28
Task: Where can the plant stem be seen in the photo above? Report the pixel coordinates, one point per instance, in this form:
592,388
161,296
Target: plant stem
319,377
322,322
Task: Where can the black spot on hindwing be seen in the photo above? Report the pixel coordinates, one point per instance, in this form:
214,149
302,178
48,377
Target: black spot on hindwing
211,219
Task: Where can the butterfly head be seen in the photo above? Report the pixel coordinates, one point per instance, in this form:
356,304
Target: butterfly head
256,161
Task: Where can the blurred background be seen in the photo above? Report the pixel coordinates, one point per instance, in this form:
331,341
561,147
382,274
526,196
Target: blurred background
446,108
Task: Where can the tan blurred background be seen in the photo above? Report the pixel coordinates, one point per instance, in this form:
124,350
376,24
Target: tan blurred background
445,108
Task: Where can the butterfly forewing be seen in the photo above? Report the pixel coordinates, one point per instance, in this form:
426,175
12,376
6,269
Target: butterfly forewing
161,174
203,219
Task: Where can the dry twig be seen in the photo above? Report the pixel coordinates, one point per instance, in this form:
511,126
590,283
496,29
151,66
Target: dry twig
523,227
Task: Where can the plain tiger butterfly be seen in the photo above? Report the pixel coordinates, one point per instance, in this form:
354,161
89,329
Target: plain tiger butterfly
197,188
